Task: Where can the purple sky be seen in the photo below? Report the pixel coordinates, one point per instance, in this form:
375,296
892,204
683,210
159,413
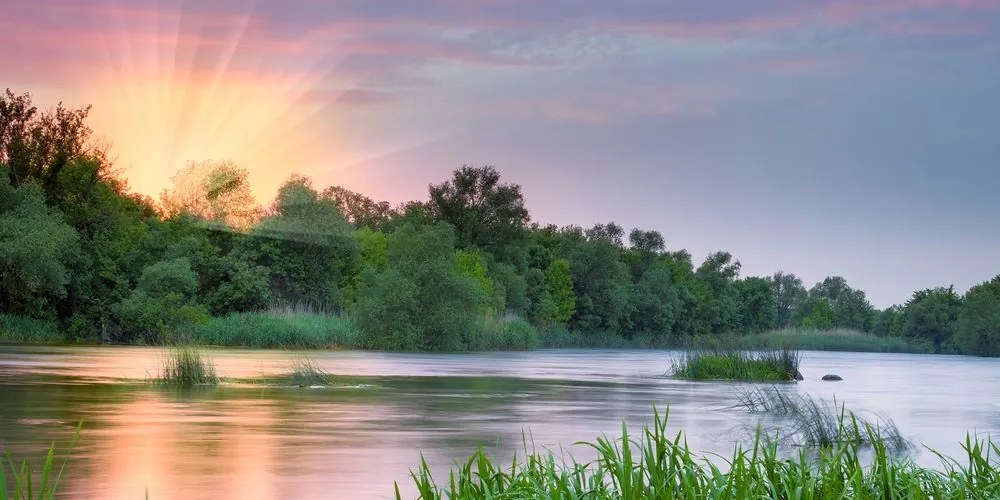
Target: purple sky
857,138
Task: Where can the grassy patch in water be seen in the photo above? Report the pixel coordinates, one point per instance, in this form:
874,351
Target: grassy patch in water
655,464
306,373
769,365
185,366
280,329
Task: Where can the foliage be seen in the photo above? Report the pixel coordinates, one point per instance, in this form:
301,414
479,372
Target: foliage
306,373
161,308
755,366
979,321
655,464
420,300
931,316
81,254
505,334
306,245
36,247
485,212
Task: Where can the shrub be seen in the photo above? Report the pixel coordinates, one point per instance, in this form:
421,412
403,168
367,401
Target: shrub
280,329
21,329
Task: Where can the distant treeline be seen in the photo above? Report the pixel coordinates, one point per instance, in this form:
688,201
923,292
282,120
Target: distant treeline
79,251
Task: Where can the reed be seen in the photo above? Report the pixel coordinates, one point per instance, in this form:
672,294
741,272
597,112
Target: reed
767,365
655,464
23,478
185,366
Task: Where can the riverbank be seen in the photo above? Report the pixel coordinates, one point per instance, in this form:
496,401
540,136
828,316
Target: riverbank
310,330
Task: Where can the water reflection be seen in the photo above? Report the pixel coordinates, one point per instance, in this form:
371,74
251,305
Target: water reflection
239,441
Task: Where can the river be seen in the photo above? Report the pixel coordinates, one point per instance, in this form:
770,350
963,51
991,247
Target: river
256,441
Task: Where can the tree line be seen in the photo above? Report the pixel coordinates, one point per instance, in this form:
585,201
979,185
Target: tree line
79,250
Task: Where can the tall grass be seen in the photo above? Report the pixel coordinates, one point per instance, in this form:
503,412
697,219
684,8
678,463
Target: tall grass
769,365
23,478
185,366
503,334
655,464
829,340
286,328
817,423
306,373
24,330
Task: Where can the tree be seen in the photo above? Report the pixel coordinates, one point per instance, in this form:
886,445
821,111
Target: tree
610,232
601,286
213,191
420,300
931,317
484,212
559,284
756,310
646,247
715,305
307,246
655,302
36,248
360,210
162,306
888,322
788,295
38,146
847,307
979,320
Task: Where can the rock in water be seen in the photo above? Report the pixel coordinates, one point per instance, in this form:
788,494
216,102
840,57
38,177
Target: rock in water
798,375
832,378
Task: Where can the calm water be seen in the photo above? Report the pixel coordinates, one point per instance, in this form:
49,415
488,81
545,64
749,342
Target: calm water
239,441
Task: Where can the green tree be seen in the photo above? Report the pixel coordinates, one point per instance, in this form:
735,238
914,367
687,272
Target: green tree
979,320
420,300
655,302
36,248
559,284
601,285
715,302
360,210
307,246
931,317
888,322
162,306
788,295
485,212
848,308
756,309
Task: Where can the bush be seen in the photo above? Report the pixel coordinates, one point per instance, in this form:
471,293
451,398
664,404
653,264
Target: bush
979,321
276,329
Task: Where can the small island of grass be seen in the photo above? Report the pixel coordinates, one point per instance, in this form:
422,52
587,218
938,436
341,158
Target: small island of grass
768,365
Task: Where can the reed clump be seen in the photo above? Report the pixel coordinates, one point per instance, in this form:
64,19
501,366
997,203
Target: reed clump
766,365
306,373
184,366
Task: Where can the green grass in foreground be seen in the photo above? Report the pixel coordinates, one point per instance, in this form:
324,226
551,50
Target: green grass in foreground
769,365
22,485
185,366
657,465
280,329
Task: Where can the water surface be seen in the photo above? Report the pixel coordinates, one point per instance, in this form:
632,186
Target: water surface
255,441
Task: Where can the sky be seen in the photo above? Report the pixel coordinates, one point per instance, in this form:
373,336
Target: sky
856,138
